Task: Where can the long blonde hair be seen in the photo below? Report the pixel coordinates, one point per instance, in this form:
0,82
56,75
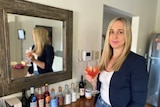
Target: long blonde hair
40,36
108,51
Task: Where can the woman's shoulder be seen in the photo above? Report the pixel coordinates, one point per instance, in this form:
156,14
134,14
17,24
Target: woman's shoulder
48,46
134,57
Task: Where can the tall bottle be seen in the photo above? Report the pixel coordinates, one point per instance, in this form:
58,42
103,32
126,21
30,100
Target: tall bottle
46,96
81,87
40,98
60,97
32,98
67,95
24,99
53,102
73,93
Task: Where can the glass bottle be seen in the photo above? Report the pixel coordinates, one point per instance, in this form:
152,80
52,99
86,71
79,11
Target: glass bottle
46,96
32,98
73,93
67,95
53,102
81,87
24,99
40,98
60,97
77,92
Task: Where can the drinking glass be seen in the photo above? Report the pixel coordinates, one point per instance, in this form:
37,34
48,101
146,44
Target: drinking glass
28,62
92,70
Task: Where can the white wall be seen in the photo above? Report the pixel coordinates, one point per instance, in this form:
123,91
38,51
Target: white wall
87,24
157,24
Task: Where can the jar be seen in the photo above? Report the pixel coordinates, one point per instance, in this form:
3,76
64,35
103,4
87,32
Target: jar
88,93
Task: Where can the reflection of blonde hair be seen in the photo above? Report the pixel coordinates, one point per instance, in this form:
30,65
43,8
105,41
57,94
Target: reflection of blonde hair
40,36
108,51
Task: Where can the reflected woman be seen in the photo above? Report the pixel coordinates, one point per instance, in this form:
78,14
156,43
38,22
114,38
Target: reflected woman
42,54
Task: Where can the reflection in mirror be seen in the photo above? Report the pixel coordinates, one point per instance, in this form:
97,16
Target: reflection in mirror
22,7
19,43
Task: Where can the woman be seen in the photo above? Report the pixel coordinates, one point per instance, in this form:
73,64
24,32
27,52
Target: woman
42,54
123,76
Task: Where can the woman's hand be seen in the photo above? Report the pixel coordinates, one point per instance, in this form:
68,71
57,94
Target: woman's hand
30,56
93,81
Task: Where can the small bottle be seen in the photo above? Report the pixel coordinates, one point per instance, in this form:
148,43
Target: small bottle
40,98
60,97
67,95
24,99
32,98
53,102
46,96
88,93
73,93
77,92
81,87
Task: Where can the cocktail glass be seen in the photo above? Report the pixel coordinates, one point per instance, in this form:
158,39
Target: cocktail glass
93,70
28,62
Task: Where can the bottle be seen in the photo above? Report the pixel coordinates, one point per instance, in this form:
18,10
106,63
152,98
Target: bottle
24,99
77,92
88,93
81,87
46,96
67,95
73,93
60,97
32,98
53,102
40,98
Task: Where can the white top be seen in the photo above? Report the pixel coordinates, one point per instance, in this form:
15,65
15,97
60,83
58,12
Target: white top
34,65
105,78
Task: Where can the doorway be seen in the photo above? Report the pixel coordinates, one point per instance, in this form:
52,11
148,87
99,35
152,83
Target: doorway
109,13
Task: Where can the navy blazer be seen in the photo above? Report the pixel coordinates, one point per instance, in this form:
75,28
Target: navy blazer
128,86
47,57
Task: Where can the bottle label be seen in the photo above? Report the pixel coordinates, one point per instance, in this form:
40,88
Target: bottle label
78,96
60,100
47,99
54,103
41,102
74,96
67,99
33,104
88,94
81,91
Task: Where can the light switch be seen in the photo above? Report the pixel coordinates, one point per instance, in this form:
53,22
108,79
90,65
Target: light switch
96,55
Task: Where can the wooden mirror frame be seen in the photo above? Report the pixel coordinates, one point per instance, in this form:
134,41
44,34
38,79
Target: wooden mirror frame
21,7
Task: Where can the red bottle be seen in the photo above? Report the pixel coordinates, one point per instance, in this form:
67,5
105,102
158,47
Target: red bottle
46,96
40,98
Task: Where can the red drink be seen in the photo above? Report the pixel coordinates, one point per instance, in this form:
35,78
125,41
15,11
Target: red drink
92,70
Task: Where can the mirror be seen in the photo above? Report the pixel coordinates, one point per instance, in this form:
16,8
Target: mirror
25,24
19,8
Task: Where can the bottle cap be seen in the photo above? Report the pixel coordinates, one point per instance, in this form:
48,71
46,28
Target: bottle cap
59,88
52,90
32,89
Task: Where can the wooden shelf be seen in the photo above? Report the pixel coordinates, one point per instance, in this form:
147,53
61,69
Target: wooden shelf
82,102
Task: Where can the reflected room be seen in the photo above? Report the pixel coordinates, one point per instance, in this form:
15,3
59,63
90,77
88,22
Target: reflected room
20,34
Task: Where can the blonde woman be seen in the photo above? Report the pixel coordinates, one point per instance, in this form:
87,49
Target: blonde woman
42,54
123,76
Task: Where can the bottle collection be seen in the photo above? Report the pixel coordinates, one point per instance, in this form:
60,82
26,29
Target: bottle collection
51,98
